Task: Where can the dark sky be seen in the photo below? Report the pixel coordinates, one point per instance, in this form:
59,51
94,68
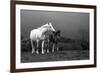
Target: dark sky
72,25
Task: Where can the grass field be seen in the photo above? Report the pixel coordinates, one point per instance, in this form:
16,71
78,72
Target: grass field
56,56
68,50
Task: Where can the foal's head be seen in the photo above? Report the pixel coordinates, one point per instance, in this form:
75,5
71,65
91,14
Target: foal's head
54,37
57,33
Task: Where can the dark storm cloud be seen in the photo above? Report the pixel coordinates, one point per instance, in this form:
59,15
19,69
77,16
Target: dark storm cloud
71,24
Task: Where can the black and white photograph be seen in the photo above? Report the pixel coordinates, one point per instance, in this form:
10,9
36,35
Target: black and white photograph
48,36
54,36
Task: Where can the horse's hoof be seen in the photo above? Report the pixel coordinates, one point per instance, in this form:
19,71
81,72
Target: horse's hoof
47,51
32,52
37,52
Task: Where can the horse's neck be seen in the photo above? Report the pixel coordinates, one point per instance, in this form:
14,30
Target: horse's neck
43,30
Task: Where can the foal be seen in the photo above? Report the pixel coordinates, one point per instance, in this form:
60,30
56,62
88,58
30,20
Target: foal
52,41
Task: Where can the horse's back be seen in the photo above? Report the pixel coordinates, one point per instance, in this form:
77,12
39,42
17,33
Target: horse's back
36,35
33,34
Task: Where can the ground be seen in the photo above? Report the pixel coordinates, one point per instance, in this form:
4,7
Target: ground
56,56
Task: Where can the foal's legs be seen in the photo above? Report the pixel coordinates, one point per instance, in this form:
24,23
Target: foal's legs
48,46
53,48
56,47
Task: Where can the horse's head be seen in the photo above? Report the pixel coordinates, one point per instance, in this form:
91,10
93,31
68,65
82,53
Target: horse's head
48,26
51,27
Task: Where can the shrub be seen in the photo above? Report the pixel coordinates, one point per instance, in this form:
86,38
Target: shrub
25,45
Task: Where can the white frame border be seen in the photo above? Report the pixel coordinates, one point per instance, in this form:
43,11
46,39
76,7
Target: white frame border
52,64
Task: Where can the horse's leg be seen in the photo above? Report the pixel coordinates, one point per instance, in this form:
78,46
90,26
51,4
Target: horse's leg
32,46
37,46
42,47
53,47
47,48
57,47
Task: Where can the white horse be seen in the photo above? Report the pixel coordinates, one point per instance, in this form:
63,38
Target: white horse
38,34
